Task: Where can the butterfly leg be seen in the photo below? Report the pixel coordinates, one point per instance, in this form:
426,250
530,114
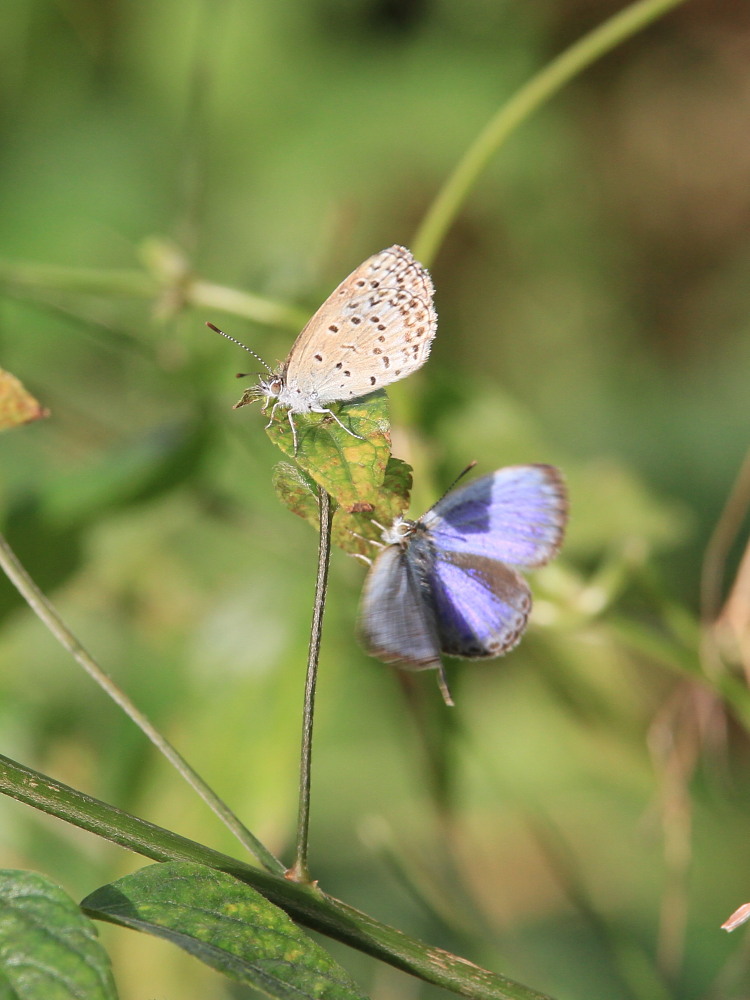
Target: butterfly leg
273,410
443,685
291,422
294,430
342,426
369,541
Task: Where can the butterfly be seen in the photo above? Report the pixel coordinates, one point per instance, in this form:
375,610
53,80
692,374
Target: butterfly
448,583
377,327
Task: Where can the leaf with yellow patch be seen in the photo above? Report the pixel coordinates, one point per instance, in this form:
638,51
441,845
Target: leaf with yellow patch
350,468
354,532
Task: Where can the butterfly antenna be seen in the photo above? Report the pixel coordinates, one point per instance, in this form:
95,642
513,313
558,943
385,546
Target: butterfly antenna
460,476
240,344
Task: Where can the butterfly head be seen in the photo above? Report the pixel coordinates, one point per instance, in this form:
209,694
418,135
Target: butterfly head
399,532
269,386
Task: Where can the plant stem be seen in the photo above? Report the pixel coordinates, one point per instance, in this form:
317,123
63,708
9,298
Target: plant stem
313,909
21,278
299,871
722,537
49,616
521,106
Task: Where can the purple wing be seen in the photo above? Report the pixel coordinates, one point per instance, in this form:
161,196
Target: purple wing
481,606
516,515
396,622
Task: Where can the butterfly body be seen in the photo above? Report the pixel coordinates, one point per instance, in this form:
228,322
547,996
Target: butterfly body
377,327
449,582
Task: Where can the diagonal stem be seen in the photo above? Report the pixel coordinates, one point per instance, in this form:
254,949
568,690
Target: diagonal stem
521,106
41,606
311,908
299,871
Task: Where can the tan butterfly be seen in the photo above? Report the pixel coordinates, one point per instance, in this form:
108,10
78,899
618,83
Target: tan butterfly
377,327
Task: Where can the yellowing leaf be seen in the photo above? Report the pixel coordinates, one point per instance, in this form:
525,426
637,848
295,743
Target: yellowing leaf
350,468
354,532
17,406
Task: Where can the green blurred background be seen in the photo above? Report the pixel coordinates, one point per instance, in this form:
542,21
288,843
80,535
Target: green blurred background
582,825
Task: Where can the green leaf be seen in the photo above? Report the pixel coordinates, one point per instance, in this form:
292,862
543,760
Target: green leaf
353,532
297,491
348,468
227,925
49,950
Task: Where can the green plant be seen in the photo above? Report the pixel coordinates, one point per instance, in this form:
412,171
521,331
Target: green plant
223,885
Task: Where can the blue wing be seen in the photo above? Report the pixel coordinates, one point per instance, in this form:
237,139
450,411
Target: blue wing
396,621
481,606
516,515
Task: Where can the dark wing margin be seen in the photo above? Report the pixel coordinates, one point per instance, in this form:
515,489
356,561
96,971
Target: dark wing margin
481,606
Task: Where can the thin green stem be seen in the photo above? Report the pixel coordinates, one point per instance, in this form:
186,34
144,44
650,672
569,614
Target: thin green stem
229,300
19,277
49,616
313,909
521,106
160,284
299,871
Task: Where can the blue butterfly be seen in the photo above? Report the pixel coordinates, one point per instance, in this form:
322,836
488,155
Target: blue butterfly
447,583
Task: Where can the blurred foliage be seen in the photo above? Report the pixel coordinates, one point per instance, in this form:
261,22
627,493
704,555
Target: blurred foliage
580,821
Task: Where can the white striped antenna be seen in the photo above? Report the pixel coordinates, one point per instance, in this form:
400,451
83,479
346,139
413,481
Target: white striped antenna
243,346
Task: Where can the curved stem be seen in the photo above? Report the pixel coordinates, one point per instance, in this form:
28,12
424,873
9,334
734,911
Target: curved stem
299,871
524,102
41,606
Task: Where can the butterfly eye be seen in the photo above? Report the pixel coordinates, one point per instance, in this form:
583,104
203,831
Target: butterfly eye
398,532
